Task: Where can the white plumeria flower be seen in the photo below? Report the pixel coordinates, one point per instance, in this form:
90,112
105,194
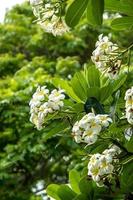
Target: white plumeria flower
56,105
129,94
56,95
129,116
90,139
128,133
101,165
105,166
105,120
35,2
129,105
105,52
48,19
40,93
43,103
94,172
78,138
59,27
89,127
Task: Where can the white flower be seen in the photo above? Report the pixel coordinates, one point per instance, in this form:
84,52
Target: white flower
129,105
101,165
56,105
40,93
105,120
78,138
94,172
56,96
129,116
35,2
90,139
129,94
43,103
128,133
104,55
89,127
59,27
48,17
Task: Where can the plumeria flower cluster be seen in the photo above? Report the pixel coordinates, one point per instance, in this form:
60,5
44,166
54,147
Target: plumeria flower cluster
102,165
105,56
48,16
129,105
43,102
89,127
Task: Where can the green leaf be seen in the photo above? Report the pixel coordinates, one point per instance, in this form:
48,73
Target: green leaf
68,89
129,145
95,10
92,75
94,92
57,128
65,193
81,197
52,191
86,187
127,178
93,103
121,6
119,82
105,92
122,23
79,86
75,12
74,178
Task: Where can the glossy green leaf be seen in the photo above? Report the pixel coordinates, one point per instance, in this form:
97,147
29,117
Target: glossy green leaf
74,178
94,92
123,23
81,197
65,193
95,104
105,93
95,10
116,84
57,129
121,6
127,184
92,75
63,84
75,12
52,191
86,187
129,145
79,86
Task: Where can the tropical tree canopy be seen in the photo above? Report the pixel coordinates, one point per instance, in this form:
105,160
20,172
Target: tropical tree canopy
66,100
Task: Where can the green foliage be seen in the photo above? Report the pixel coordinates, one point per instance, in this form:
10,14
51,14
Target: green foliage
75,12
95,10
125,8
28,58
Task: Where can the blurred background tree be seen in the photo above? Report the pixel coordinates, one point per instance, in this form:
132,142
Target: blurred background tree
28,57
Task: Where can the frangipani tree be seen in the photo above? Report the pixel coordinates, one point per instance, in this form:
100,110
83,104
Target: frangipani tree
95,108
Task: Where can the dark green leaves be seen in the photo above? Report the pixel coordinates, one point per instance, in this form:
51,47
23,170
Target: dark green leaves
95,12
75,12
127,185
121,6
74,178
93,103
123,23
89,83
62,192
